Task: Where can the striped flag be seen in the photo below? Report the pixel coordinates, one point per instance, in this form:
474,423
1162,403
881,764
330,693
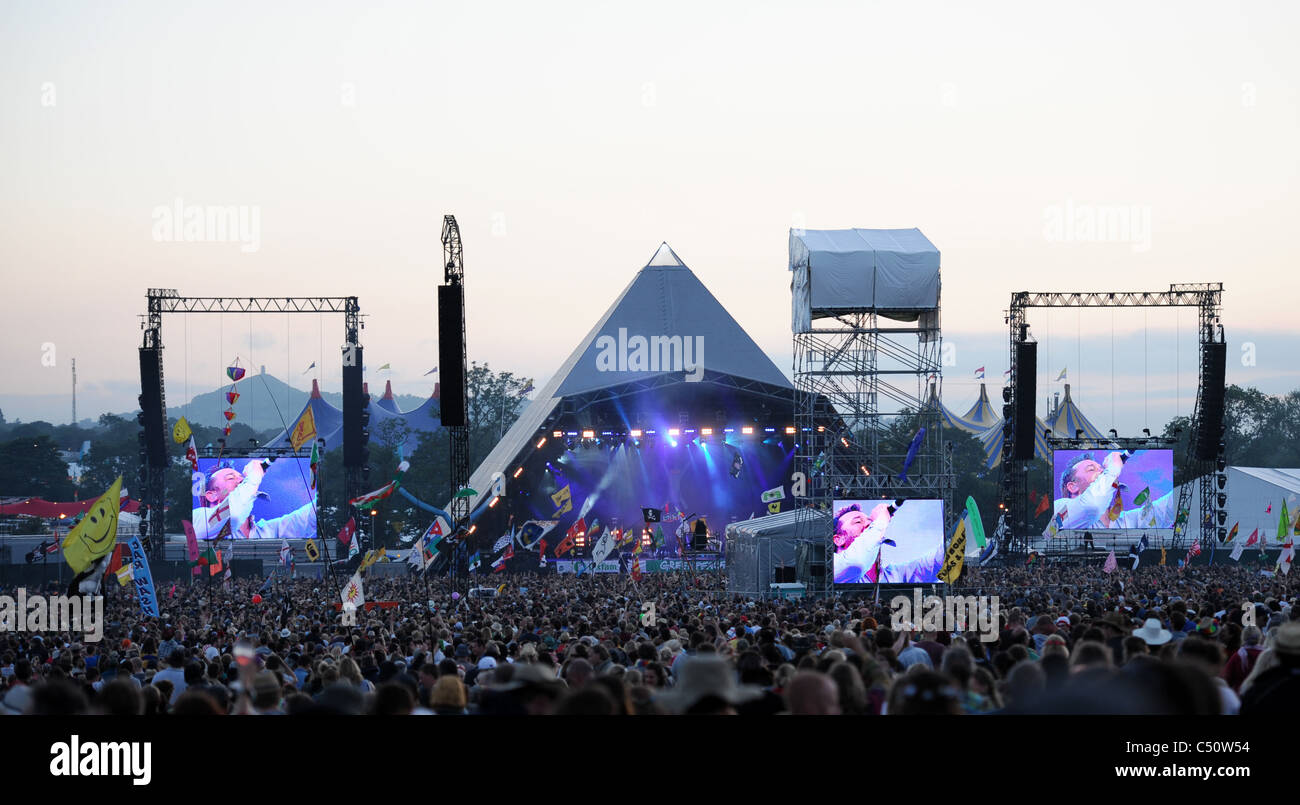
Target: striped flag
1111,565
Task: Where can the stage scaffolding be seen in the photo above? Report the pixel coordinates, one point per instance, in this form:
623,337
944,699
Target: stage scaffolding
866,381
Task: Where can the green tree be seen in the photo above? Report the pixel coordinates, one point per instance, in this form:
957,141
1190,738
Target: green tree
31,466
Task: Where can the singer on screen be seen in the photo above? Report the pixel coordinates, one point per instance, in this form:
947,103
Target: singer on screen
227,500
1088,492
865,554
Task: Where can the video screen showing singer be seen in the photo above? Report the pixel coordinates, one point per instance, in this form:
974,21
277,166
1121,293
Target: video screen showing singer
1108,493
263,501
893,543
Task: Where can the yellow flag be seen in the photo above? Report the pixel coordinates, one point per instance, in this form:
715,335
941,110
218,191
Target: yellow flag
181,431
956,556
370,558
1162,556
774,507
125,574
304,430
96,534
309,548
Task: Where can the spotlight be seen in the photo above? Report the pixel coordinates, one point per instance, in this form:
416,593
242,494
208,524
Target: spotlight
747,430
518,471
473,528
557,433
706,431
589,434
789,430
636,433
865,471
674,432
541,442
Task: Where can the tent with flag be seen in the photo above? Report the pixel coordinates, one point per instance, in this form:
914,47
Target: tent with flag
1251,491
1067,419
327,419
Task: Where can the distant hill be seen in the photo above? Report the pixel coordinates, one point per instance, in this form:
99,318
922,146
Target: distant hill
263,400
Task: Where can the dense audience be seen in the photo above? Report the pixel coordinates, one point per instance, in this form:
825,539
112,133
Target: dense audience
1069,639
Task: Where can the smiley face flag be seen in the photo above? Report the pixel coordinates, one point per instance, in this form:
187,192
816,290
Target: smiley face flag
181,431
96,534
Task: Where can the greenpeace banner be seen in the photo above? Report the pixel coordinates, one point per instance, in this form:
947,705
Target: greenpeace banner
667,565
143,579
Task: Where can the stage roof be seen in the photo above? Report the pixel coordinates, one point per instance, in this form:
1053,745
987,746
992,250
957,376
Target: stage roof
892,271
665,298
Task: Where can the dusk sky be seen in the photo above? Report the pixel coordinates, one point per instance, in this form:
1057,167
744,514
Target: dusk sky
571,140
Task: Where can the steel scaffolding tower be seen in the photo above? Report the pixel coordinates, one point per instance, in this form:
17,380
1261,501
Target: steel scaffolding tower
862,392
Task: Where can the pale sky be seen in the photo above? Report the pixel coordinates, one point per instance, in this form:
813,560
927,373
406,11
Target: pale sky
569,140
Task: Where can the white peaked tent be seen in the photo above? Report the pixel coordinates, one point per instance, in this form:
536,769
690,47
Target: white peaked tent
1251,492
665,298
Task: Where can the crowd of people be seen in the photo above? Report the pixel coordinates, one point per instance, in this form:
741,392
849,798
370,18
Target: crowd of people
1069,639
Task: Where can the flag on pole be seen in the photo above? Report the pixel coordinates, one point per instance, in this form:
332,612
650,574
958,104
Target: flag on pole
192,455
1237,552
956,555
1111,563
474,562
979,373
309,368
1163,555
1283,524
354,591
1195,550
309,548
286,553
385,366
1253,538
315,462
345,533
304,430
96,534
371,497
1233,533
1061,376
125,574
1043,504
636,566
1285,559
431,371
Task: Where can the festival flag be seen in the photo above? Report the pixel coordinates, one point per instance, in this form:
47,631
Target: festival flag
1237,552
345,533
192,455
563,500
499,564
1162,556
304,430
431,371
235,372
1044,503
1061,376
636,566
775,493
975,523
124,575
1295,527
309,368
354,592
315,462
911,454
214,565
1233,533
979,373
1269,510
371,557
1286,557
311,550
286,552
96,534
774,507
1032,556
385,366
181,431
474,562
659,538
377,495
956,555
1283,524
1137,555
191,547
232,396
354,548
1111,565
527,389
1253,538
229,415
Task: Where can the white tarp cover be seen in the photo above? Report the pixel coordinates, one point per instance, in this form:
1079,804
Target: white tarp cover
892,271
